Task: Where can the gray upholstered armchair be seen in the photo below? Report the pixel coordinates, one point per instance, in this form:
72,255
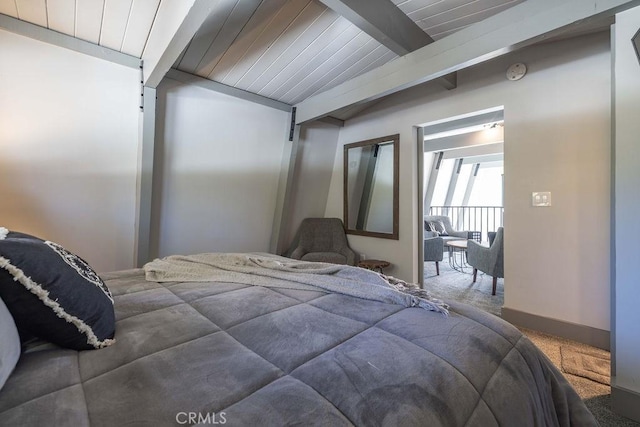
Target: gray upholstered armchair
322,240
489,260
433,251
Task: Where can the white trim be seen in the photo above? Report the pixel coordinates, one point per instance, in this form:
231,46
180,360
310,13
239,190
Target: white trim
175,24
188,78
3,233
43,295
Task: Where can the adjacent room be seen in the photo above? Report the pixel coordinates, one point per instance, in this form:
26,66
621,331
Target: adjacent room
280,211
462,195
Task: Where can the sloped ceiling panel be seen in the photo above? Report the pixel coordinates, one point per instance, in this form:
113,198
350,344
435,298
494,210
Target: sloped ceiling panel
339,33
34,11
141,17
286,50
121,25
114,23
89,20
61,15
215,35
439,18
281,49
252,44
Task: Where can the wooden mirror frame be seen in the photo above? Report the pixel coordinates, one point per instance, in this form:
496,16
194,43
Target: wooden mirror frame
396,179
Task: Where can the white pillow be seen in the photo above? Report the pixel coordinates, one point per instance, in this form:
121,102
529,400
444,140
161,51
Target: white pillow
438,227
10,348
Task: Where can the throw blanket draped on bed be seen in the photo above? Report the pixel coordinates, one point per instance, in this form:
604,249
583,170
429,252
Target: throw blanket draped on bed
261,270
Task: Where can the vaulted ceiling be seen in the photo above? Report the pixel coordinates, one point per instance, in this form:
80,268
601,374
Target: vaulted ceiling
287,50
325,57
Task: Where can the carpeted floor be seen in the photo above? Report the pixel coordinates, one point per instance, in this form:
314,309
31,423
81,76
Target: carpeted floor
596,396
453,285
578,358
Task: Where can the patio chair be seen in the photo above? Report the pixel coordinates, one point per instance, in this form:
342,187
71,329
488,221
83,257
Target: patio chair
489,260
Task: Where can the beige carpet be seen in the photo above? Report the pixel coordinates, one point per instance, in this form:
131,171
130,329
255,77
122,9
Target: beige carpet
588,362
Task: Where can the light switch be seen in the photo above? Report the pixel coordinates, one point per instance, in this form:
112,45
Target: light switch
541,198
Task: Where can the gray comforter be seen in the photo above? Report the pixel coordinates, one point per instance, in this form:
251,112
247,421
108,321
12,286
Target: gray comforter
236,354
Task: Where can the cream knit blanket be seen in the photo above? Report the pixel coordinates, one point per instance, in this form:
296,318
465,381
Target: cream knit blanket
273,271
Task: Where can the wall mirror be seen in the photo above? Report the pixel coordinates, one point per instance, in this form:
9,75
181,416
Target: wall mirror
371,187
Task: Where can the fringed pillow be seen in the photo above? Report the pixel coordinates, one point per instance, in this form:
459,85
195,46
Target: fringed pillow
54,294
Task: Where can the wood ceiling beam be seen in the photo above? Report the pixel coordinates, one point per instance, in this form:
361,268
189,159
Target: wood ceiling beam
175,25
386,23
514,28
488,158
453,181
475,151
192,79
465,140
470,183
383,21
55,38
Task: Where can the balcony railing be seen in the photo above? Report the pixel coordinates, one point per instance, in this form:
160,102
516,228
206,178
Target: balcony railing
472,218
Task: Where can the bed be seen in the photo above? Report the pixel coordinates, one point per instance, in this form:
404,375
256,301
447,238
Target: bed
224,350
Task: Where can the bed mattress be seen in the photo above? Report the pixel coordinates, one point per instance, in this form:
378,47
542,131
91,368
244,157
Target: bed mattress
236,354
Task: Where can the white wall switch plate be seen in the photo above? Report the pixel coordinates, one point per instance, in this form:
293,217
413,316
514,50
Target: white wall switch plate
541,198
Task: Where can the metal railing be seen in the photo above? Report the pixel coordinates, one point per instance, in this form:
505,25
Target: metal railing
472,218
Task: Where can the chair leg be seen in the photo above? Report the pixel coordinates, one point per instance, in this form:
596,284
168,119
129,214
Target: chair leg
437,268
495,282
475,274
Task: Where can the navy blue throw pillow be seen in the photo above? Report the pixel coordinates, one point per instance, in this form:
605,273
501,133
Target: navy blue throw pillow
54,294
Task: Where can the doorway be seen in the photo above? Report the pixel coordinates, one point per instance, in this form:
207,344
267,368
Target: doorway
461,164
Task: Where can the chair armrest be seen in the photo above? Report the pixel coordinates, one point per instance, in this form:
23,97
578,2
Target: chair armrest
428,234
433,249
352,257
297,253
477,254
461,234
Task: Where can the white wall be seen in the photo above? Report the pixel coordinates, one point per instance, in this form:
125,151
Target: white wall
626,343
314,165
557,138
68,149
220,160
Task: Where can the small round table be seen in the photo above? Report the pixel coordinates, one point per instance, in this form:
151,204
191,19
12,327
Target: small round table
458,247
374,264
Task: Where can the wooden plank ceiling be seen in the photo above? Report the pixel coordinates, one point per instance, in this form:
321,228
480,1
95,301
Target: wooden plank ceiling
286,50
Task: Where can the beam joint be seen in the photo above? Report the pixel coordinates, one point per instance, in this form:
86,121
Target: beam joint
521,25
